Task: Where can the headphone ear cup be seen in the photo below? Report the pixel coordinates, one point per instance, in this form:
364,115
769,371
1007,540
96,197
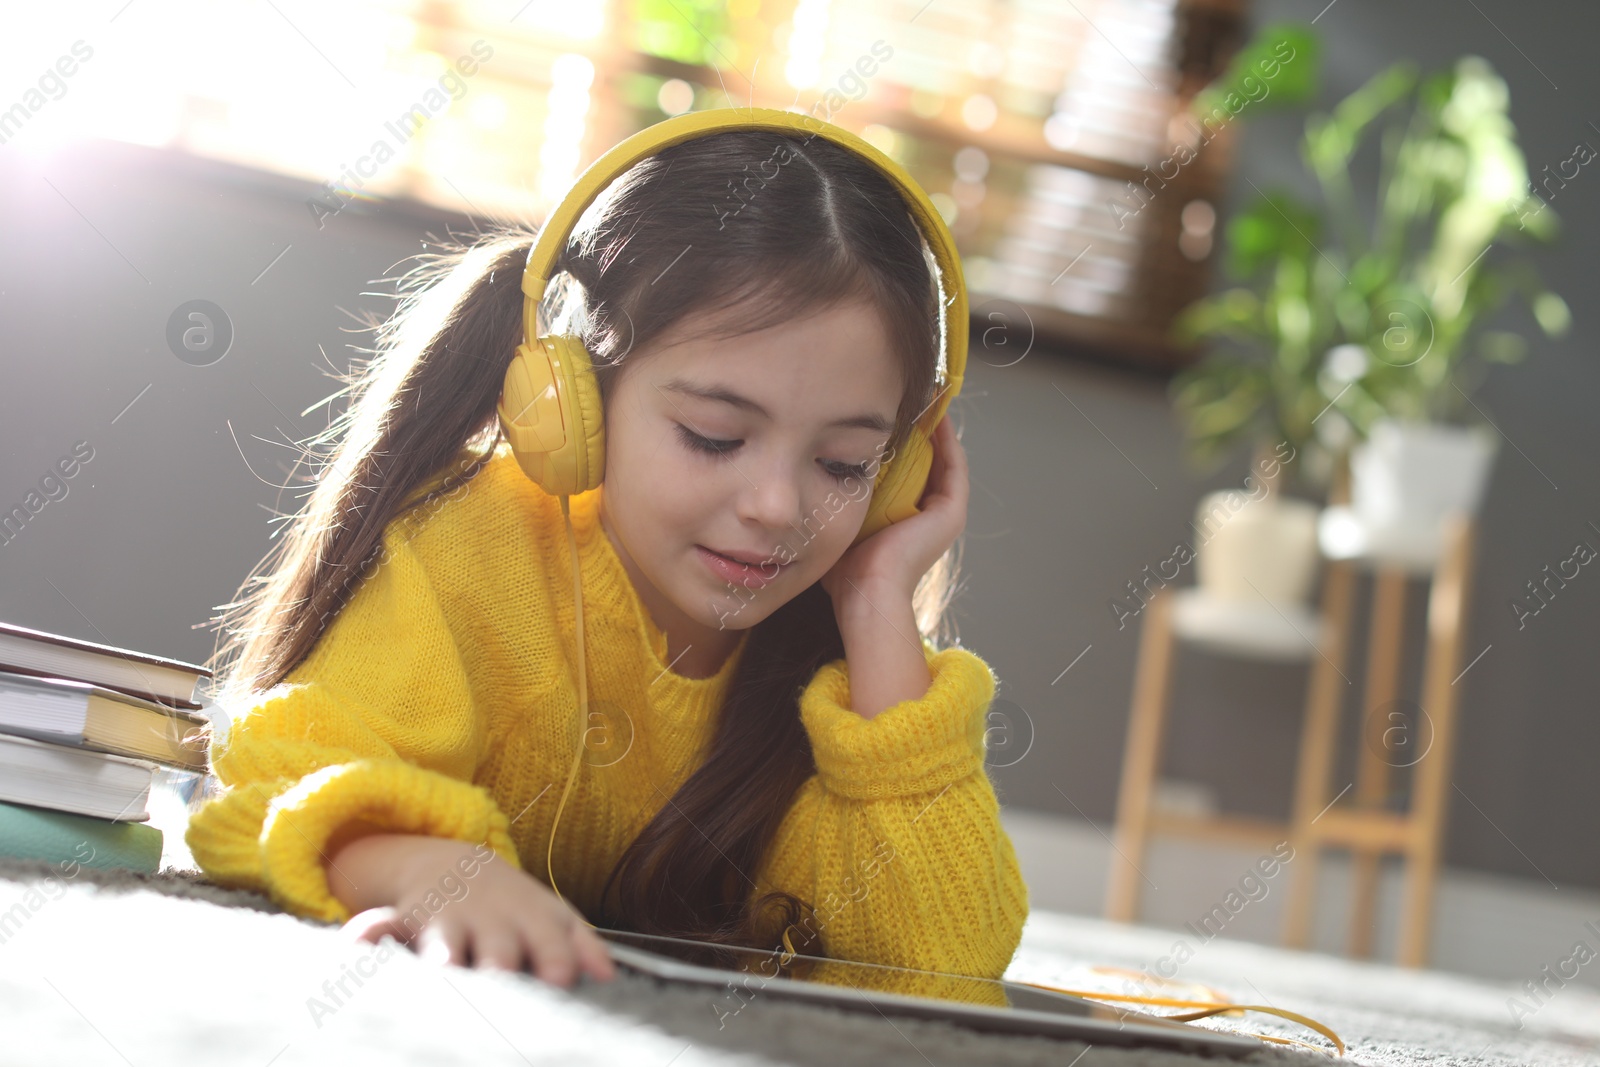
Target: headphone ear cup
551,413
900,486
588,412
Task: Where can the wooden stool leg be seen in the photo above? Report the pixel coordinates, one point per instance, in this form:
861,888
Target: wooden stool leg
1317,750
1447,612
1372,775
1141,760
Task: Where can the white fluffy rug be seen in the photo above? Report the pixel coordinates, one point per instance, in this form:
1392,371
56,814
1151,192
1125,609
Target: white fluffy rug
120,969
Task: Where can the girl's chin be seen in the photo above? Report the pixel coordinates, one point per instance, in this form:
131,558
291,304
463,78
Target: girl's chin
733,613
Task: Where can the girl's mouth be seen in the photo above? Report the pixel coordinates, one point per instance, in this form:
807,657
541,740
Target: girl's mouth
749,575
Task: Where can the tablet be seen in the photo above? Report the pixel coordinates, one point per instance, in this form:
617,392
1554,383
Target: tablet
742,975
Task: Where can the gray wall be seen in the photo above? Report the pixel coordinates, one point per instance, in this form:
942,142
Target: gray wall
1069,502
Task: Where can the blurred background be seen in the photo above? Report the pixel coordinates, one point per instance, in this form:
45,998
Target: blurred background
1201,237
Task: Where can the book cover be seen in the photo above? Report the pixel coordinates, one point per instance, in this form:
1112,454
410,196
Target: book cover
142,674
66,839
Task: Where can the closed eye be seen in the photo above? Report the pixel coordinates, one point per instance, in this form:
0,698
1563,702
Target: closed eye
840,472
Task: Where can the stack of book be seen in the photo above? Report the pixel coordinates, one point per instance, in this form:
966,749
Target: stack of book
86,730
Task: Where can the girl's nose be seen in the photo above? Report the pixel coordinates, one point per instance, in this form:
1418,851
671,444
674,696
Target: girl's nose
771,498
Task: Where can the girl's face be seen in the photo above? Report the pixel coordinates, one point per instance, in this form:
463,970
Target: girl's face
798,418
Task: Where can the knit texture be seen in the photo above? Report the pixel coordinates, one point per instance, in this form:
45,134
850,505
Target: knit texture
442,699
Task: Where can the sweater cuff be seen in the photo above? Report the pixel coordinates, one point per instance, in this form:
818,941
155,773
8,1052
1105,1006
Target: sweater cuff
915,746
384,795
224,835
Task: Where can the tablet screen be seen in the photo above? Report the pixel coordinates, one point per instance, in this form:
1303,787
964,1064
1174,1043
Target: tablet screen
766,965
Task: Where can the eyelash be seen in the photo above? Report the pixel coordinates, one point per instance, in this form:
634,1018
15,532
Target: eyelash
706,446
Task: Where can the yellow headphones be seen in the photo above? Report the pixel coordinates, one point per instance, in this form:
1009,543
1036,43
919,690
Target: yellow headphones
550,406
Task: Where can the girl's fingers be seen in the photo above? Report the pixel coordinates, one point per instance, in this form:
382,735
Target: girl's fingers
949,467
374,923
954,453
592,954
955,460
550,951
936,466
443,942
498,947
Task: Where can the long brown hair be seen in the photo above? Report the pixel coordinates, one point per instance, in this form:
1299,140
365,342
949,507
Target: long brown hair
826,228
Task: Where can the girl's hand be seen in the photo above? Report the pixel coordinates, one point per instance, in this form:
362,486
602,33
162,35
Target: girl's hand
498,916
894,559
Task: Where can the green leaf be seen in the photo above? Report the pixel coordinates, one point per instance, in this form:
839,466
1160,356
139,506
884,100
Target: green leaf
1331,140
1219,400
1252,241
1277,68
1384,89
1502,346
1553,314
664,28
1275,225
1235,312
1533,216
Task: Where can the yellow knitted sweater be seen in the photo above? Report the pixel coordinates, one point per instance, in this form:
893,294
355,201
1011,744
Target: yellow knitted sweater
442,700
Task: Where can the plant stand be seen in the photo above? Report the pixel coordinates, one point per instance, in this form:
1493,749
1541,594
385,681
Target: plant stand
1364,825
1169,617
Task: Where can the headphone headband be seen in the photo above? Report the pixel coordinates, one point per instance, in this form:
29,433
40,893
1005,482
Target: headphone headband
558,227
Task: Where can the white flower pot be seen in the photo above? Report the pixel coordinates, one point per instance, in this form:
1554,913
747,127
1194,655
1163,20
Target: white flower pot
1255,547
1407,476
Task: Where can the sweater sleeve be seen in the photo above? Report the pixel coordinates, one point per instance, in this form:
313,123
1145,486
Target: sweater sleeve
896,841
376,730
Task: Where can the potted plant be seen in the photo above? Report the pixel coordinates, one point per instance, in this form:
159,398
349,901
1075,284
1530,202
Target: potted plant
1455,186
1361,332
1258,543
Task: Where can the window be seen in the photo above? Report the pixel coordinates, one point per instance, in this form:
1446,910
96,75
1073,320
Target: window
1044,130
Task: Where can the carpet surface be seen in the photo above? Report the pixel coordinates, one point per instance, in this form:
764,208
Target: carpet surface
115,967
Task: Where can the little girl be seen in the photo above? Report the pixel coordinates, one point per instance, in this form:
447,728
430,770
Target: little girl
773,753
